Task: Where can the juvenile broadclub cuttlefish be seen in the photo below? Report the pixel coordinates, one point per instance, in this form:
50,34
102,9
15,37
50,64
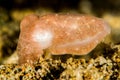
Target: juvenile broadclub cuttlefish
59,34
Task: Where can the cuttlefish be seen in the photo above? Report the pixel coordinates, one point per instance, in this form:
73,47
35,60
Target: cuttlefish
59,34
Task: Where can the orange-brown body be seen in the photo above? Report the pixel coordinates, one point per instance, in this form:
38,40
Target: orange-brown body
59,34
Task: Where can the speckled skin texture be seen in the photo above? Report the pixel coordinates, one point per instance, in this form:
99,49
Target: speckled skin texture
59,34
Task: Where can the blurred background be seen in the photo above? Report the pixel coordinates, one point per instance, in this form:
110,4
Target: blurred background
12,12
